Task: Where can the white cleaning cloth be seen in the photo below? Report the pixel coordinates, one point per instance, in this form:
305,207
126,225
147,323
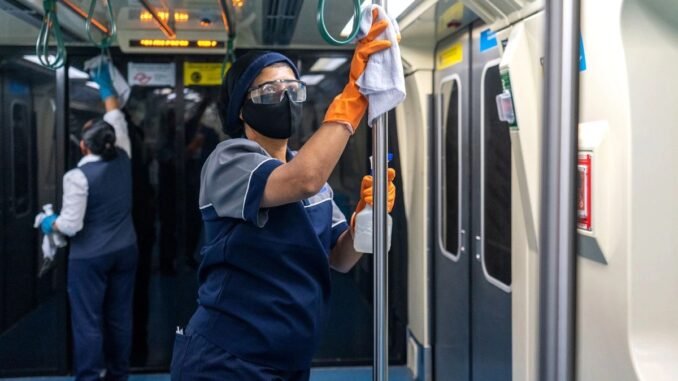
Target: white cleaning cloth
50,242
119,83
383,82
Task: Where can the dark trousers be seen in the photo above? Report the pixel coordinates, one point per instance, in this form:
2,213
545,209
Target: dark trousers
100,290
195,358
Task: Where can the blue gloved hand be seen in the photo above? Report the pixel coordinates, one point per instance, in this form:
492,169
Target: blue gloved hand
102,77
46,224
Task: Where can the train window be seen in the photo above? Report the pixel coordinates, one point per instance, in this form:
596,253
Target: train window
450,167
20,146
496,184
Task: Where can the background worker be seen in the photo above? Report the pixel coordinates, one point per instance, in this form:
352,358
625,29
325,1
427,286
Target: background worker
96,214
272,229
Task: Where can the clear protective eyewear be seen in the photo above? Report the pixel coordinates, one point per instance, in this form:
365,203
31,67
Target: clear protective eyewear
272,92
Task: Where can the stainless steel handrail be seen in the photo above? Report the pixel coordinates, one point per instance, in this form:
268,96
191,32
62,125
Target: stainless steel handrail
558,219
380,244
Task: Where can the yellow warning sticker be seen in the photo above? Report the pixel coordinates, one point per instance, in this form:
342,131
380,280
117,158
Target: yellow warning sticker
450,56
202,73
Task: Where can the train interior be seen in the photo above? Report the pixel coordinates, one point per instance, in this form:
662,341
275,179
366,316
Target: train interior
463,270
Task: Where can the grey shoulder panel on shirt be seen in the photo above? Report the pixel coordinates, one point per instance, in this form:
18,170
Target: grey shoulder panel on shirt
226,175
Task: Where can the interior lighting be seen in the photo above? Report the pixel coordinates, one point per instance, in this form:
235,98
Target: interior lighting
312,79
327,64
92,84
415,13
397,7
164,43
73,73
206,43
349,25
238,3
179,16
393,7
181,44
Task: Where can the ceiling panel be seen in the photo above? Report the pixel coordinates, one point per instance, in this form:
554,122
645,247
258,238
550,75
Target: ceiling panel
249,16
14,31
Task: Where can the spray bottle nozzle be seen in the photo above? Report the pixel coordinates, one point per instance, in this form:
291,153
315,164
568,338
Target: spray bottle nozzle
388,160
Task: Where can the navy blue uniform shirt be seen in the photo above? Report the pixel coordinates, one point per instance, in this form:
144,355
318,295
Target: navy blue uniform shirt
265,275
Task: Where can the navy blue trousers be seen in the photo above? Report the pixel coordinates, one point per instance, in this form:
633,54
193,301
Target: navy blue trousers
195,358
100,290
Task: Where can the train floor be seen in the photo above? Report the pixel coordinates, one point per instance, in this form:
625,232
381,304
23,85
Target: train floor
319,374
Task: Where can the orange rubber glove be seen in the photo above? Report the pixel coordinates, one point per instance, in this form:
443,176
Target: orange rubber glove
366,197
350,105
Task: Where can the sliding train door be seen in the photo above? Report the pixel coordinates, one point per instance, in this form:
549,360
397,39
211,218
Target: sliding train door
473,213
18,157
452,261
491,217
33,320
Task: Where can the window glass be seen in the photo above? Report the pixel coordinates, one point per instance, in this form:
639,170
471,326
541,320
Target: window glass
450,167
20,148
497,184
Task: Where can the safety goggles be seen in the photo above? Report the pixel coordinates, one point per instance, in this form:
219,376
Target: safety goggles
273,91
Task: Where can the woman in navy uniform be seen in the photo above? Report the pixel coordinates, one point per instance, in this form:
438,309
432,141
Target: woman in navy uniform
96,214
272,228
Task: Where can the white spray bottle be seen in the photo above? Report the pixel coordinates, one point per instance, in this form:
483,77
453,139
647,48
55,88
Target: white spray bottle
362,238
55,238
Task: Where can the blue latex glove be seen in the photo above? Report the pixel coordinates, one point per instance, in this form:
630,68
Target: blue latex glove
102,77
46,224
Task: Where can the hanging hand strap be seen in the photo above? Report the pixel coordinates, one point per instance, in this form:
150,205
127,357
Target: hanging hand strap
50,23
229,59
320,19
105,42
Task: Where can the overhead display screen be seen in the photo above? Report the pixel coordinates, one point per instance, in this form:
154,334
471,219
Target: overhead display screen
160,43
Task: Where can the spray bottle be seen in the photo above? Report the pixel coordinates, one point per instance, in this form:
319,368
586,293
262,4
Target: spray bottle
362,239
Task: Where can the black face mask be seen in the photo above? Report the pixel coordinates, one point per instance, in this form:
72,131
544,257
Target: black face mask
277,121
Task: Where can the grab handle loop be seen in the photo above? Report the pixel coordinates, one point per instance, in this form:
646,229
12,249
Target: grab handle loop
50,23
229,23
322,28
108,39
229,59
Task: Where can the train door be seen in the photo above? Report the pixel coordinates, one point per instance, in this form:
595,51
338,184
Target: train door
452,260
491,217
18,142
32,311
473,204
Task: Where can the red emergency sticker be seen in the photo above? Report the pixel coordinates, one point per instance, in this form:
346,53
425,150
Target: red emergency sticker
584,192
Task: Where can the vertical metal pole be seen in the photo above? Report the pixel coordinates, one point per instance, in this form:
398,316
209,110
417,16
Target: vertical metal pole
380,244
558,231
61,142
180,162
